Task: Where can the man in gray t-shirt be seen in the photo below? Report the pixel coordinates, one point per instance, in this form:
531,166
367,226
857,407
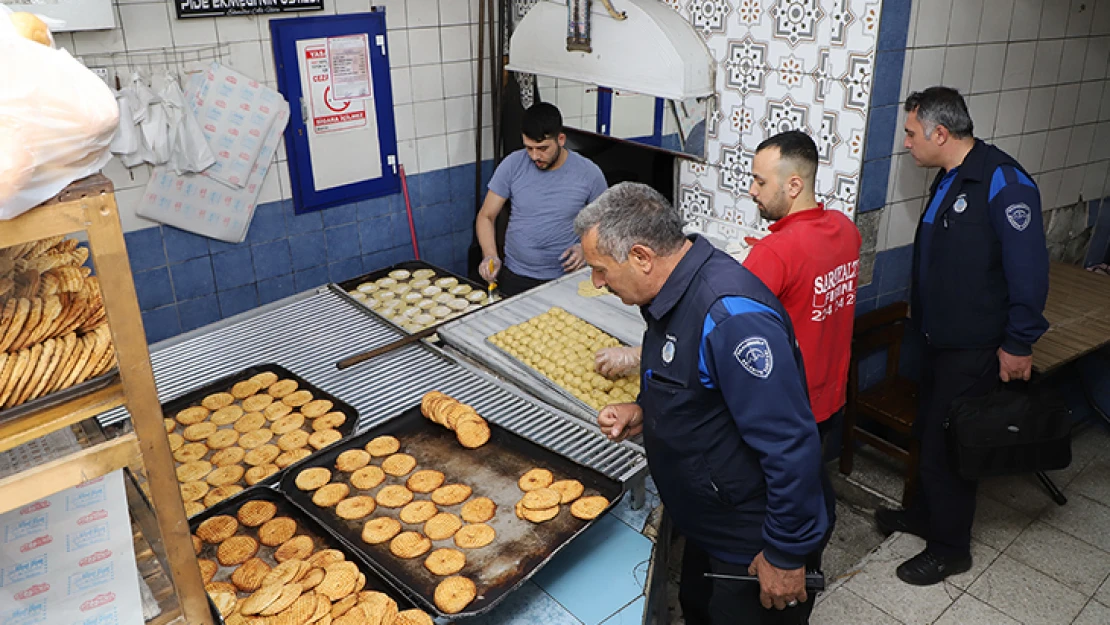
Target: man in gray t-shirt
547,184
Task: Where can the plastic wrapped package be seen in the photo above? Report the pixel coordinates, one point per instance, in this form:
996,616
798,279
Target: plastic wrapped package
57,120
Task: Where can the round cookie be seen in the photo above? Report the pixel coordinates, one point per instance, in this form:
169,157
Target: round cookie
236,550
255,439
190,452
227,415
367,477
275,410
445,562
316,408
217,529
228,456
288,423
423,274
394,496
472,433
478,510
535,478
245,389
425,481
418,512
255,475
409,545
379,530
192,415
398,464
330,421
383,446
276,531
587,508
226,475
255,513
297,399
194,491
400,274
249,423
193,471
328,496
323,438
218,494
222,439
248,577
169,424
451,494
293,440
292,456
313,478
541,499
453,594
352,460
442,526
199,431
568,490
296,548
536,516
265,379
263,454
281,388
216,401
258,403
475,536
357,507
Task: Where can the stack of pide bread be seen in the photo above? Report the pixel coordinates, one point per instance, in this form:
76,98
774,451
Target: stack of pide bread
53,332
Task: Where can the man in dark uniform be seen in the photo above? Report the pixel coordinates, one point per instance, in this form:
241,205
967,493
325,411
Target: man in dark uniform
730,437
980,281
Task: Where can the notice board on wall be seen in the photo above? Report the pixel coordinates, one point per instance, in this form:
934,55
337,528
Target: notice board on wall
77,14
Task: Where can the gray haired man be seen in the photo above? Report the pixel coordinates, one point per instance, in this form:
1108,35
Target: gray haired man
730,438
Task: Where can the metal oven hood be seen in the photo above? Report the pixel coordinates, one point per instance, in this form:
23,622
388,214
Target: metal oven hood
654,51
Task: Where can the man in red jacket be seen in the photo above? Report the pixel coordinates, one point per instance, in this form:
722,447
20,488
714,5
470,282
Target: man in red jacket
810,261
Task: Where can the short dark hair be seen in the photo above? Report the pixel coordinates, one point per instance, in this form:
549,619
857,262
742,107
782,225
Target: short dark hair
542,121
941,106
795,146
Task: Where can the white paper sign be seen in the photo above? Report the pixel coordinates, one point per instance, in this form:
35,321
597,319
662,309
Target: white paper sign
68,559
349,60
329,114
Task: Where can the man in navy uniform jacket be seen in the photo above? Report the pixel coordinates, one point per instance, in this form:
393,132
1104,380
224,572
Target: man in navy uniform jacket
980,282
731,441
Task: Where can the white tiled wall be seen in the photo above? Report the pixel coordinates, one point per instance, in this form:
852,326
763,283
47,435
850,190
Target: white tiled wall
433,49
1035,73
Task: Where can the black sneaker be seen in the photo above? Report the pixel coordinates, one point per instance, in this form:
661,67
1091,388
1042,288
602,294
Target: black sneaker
890,521
927,568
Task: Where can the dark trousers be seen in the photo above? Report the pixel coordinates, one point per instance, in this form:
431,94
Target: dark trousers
947,501
510,284
832,424
709,601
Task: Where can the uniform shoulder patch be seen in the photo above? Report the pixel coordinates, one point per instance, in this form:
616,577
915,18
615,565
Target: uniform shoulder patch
1019,215
754,354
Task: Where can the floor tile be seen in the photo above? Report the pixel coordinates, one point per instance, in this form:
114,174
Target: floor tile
1094,614
1083,518
631,614
997,525
844,607
1065,558
636,518
878,472
1026,594
877,583
526,605
970,611
1103,594
1094,482
609,555
982,557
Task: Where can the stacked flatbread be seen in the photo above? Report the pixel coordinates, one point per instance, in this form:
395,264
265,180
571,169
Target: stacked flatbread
53,332
418,299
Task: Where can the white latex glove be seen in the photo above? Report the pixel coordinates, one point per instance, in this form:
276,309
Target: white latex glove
617,362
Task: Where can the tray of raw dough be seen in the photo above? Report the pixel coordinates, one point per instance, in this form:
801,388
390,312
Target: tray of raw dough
457,512
263,558
415,295
558,349
243,429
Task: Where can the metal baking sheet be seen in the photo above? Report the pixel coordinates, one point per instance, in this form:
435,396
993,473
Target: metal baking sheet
306,525
521,547
410,265
224,384
62,396
468,334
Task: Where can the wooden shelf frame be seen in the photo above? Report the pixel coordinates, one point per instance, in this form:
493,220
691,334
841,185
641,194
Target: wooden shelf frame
89,205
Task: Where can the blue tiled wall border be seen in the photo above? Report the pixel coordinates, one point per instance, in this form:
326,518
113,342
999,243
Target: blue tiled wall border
185,281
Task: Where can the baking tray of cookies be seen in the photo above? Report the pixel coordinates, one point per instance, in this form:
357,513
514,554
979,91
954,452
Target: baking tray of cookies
493,470
231,433
60,397
243,539
454,300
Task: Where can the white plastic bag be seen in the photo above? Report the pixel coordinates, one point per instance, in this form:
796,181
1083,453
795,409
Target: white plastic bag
126,140
189,151
57,120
